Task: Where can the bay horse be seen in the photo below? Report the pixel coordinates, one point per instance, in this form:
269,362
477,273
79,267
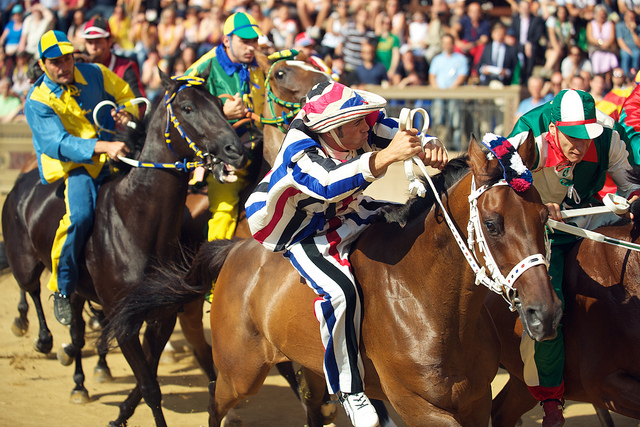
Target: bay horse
428,344
601,327
136,225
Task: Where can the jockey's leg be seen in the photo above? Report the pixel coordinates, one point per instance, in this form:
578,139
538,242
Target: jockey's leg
223,204
80,199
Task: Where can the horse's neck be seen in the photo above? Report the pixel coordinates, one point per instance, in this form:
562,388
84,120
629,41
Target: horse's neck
273,137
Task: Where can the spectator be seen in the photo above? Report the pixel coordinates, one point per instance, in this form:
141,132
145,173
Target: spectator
103,8
582,10
189,55
472,34
144,35
388,49
12,32
578,83
6,64
624,5
20,80
98,43
411,71
170,34
534,85
285,28
611,103
120,24
574,63
191,26
448,70
312,15
601,36
417,36
76,29
393,8
67,11
597,86
151,77
499,60
355,35
10,104
210,31
529,29
560,34
555,84
438,27
336,24
371,71
265,23
629,43
35,25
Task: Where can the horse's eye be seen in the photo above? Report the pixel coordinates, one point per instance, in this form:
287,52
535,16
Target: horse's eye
186,109
280,75
492,227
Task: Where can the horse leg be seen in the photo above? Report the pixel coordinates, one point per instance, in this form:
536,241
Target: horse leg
193,330
21,324
144,360
315,399
604,416
101,373
288,373
44,344
511,403
74,350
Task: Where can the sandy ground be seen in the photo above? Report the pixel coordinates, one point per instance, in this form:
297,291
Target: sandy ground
35,388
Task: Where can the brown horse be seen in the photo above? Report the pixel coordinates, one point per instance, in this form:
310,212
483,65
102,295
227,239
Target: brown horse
136,225
601,327
428,343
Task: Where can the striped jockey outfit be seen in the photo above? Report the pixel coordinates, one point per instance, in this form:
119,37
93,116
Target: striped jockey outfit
311,207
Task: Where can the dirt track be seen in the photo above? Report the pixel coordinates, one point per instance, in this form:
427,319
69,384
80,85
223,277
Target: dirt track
35,388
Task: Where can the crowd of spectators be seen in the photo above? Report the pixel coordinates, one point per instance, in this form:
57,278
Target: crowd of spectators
439,43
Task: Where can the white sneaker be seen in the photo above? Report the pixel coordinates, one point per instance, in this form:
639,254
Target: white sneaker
359,409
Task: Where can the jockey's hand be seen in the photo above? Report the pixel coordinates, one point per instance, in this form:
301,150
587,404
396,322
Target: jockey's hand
121,117
554,211
403,146
234,108
634,208
112,148
435,155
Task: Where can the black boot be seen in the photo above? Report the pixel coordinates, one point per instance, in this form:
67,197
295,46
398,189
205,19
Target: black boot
62,308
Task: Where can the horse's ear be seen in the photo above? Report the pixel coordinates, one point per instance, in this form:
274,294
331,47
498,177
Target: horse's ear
207,71
527,150
329,61
477,157
166,79
263,62
302,57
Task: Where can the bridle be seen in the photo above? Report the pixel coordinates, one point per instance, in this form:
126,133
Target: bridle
489,275
171,119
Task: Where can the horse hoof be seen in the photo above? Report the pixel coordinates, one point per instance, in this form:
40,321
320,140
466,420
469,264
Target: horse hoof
102,375
231,420
80,396
19,327
43,347
329,411
63,357
94,324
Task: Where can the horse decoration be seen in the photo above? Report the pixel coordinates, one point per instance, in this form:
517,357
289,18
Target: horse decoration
428,344
136,224
601,327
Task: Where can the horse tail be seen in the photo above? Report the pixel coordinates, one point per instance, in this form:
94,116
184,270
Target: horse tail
166,287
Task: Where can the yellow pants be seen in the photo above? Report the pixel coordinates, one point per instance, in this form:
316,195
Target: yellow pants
223,204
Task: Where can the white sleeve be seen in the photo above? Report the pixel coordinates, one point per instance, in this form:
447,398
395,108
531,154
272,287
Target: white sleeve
619,165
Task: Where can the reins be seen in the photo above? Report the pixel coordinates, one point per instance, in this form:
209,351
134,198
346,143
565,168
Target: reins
294,107
490,274
171,119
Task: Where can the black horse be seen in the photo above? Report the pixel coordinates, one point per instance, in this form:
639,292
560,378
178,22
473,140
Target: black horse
136,225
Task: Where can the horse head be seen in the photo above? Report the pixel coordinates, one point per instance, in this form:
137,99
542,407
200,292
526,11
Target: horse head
513,226
195,118
287,82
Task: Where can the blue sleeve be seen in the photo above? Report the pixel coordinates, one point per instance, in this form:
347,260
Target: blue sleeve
51,138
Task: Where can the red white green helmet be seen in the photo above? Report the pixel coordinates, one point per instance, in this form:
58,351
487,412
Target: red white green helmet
574,114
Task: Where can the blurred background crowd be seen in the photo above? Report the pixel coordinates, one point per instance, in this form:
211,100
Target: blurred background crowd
544,46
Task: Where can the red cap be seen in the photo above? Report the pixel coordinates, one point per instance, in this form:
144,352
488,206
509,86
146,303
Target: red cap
96,28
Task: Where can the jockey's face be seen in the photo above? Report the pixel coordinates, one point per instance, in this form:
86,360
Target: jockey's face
98,50
352,135
574,149
60,69
240,51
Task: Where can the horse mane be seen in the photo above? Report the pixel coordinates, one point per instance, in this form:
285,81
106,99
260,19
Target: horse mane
453,172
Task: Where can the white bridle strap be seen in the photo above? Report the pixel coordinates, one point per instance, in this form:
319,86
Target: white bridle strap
495,281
